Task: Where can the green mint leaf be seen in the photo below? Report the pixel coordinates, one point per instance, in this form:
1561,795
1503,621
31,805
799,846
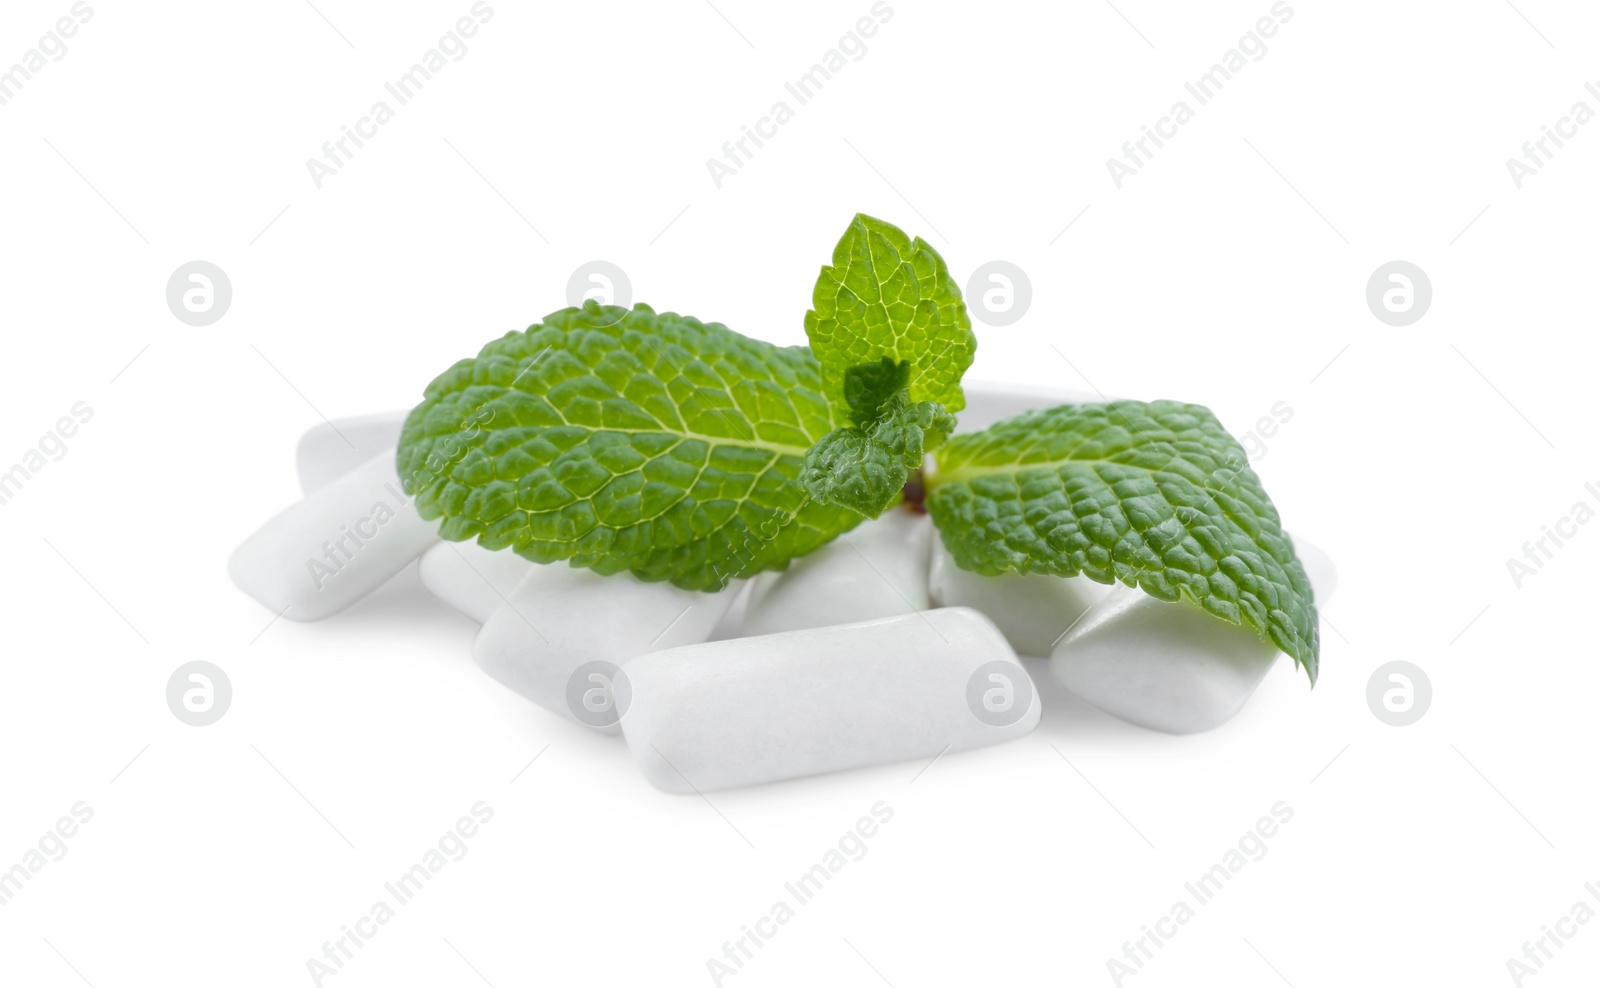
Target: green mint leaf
864,468
893,339
888,297
869,388
1156,495
627,440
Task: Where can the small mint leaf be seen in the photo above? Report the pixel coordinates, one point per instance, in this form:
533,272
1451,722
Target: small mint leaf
864,468
870,387
1157,495
847,468
911,429
889,298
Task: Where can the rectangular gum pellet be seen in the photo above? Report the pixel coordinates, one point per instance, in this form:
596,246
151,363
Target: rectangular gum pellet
749,710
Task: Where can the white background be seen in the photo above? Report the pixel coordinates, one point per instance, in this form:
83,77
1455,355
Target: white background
1231,271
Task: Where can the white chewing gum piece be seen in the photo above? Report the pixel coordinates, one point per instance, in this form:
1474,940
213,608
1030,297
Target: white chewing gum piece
1032,611
753,710
474,580
337,545
330,450
559,619
877,569
1168,666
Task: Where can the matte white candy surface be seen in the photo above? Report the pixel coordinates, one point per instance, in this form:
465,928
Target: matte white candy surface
877,569
753,710
332,449
559,619
1031,611
732,620
474,580
1171,667
337,545
1167,666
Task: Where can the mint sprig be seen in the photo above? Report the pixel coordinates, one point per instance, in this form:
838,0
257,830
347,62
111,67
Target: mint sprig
627,440
1156,495
887,295
893,338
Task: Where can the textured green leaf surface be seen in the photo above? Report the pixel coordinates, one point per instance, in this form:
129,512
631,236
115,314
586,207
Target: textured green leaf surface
1155,495
626,440
888,296
871,389
864,468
